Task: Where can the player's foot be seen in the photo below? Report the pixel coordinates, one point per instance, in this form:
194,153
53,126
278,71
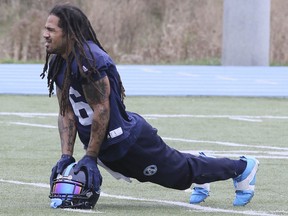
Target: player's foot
200,193
245,183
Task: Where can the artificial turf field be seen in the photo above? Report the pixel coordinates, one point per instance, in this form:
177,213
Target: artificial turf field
220,126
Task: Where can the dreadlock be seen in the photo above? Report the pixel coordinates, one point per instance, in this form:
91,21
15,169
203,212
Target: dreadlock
76,26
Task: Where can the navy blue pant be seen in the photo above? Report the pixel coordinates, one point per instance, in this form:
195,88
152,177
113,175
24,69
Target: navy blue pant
151,160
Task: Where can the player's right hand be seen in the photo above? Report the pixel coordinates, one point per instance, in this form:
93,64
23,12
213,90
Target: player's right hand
89,164
62,163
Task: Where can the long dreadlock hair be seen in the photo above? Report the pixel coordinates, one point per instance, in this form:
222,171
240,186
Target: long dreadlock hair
76,26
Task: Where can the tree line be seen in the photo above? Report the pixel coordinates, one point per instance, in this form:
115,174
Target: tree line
136,31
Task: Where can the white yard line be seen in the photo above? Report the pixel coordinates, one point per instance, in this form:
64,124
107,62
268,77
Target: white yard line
33,125
280,154
83,211
25,114
244,117
226,143
212,116
179,139
166,202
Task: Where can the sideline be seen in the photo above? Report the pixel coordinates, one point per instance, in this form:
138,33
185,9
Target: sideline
167,202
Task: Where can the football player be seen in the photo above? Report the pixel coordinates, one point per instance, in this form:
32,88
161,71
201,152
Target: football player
91,94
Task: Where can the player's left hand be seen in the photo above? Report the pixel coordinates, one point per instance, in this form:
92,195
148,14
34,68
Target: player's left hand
61,164
89,164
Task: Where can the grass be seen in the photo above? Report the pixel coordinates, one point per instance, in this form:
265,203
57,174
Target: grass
27,154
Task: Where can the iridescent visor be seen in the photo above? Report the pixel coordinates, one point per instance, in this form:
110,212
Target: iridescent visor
66,188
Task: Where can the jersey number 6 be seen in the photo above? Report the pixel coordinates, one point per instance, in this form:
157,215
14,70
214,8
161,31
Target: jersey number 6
81,109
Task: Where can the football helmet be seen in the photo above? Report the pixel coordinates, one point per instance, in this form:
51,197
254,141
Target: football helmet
69,190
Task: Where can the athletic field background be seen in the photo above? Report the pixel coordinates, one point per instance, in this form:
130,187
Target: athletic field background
220,126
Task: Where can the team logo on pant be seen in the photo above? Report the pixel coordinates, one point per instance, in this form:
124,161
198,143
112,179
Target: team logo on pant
150,170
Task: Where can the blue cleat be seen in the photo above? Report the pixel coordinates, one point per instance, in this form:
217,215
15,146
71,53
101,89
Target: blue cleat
200,193
245,183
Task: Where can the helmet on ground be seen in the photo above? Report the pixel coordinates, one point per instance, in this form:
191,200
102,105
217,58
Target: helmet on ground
69,190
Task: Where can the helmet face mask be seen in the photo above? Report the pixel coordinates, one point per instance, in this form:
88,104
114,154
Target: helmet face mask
69,190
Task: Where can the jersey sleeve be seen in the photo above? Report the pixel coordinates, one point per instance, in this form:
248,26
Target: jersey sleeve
96,58
101,67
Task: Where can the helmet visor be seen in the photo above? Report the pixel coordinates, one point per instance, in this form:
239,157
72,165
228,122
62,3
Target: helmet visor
67,187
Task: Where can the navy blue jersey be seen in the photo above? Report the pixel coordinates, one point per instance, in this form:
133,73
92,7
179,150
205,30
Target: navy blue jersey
124,127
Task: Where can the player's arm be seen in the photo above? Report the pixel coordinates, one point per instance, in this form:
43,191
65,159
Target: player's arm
66,127
97,95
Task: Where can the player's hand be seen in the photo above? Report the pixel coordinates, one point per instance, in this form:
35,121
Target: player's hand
62,163
89,164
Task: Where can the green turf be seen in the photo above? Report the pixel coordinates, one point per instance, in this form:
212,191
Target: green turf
27,154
